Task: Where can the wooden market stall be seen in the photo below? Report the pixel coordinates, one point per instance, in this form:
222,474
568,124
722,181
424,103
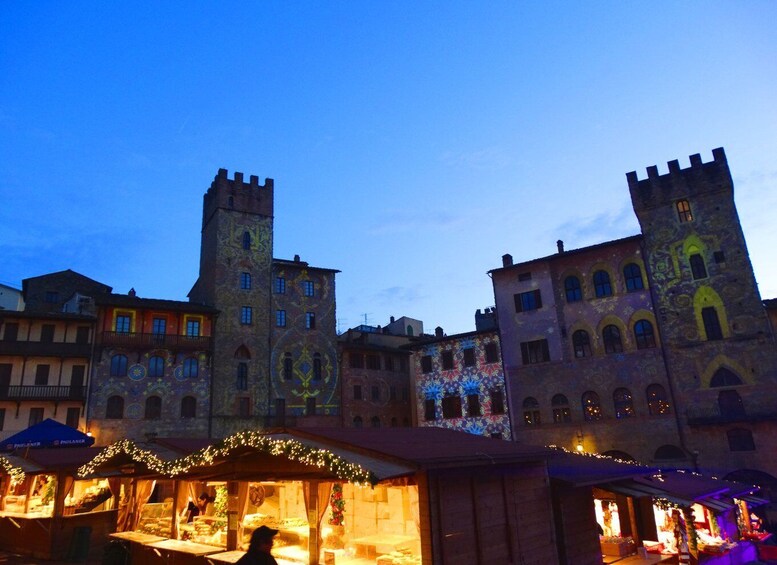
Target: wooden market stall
401,496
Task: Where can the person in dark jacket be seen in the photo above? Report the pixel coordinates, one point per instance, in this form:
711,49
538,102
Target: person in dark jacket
259,548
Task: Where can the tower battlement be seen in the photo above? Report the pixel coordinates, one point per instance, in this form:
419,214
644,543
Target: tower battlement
236,194
680,183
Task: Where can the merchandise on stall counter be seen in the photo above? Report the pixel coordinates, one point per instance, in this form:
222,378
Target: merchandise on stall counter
156,519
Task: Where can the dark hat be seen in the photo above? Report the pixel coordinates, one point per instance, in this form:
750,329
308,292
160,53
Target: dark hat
264,533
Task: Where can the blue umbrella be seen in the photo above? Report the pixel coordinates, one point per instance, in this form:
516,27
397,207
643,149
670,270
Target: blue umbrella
48,433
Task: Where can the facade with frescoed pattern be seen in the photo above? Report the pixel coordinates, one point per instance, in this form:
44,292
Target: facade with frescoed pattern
655,347
459,383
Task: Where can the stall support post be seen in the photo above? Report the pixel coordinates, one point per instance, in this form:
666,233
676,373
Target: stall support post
232,514
176,518
314,539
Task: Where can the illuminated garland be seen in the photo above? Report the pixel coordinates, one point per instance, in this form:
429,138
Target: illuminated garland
16,474
289,448
125,447
337,502
594,455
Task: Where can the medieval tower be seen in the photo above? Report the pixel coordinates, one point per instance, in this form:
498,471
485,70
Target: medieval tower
716,338
236,279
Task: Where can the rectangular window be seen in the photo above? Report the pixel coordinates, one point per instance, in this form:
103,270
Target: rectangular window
447,360
497,402
375,393
684,211
280,285
123,324
246,315
524,276
52,297
451,406
2,419
430,409
469,357
711,323
426,364
525,301
245,281
719,257
159,326
373,362
244,407
473,405
356,360
698,269
242,376
492,355
308,288
42,375
357,392
11,331
82,334
47,333
192,328
535,351
73,416
310,406
36,416
280,318
310,320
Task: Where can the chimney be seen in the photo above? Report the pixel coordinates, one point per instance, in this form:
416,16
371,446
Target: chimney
507,260
392,319
560,245
296,258
438,332
131,291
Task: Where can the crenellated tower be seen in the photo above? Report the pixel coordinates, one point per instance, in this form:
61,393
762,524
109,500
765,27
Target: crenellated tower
235,278
713,325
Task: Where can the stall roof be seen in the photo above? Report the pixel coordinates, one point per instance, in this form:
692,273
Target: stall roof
591,470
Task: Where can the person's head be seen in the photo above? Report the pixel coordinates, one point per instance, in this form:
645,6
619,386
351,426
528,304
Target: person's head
262,539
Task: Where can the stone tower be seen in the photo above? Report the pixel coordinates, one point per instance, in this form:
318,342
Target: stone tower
236,278
715,334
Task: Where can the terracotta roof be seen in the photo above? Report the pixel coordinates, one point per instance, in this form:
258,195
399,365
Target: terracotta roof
137,302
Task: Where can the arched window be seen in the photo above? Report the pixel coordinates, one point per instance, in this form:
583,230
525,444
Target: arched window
191,368
730,404
632,274
188,407
612,339
658,403
624,403
573,289
698,269
242,376
643,335
246,240
724,377
357,422
602,284
740,439
669,452
581,343
156,367
561,412
153,408
375,422
592,407
242,352
684,211
531,411
287,366
409,330
709,316
114,409
317,367
119,365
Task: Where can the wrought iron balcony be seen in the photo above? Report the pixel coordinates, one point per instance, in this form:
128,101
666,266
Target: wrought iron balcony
155,341
44,348
42,392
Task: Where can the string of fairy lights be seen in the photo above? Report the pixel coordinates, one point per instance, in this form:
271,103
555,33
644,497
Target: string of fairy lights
16,474
292,449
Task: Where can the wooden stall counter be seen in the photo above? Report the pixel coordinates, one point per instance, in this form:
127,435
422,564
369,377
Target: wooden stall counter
137,537
225,557
378,544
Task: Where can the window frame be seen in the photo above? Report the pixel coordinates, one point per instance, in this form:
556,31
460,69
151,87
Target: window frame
535,352
573,291
713,330
310,320
683,208
245,281
602,284
632,276
119,365
612,339
642,337
698,266
581,344
528,301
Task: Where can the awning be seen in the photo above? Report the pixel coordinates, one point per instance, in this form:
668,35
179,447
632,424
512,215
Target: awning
752,500
48,433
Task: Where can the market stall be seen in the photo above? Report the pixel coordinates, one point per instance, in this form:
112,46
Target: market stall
358,497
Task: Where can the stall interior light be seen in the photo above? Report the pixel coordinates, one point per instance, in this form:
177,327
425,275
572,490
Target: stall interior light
579,446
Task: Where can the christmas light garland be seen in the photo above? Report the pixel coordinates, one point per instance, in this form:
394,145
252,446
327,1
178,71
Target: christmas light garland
16,473
290,448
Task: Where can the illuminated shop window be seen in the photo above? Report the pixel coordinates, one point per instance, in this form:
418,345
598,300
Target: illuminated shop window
592,407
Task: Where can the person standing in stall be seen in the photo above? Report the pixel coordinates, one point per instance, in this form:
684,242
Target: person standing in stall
260,547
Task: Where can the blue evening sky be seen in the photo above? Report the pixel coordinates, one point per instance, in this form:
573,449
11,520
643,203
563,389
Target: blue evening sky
412,143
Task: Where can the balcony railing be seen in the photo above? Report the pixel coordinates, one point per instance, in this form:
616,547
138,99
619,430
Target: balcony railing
713,417
150,341
42,392
45,348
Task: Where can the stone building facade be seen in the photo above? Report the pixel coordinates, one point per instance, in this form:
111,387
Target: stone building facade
663,331
152,369
459,383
